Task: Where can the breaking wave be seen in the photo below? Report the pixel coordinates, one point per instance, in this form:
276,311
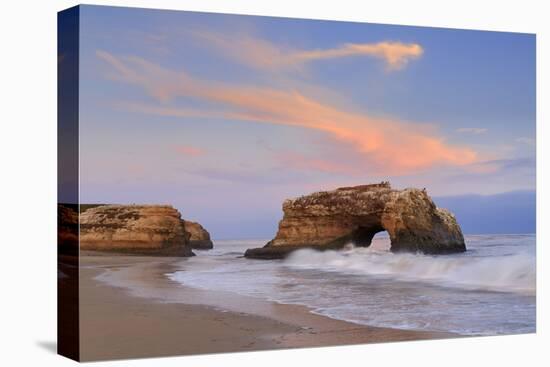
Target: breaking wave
505,273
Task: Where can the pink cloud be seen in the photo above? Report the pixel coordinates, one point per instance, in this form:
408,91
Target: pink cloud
265,55
395,147
189,150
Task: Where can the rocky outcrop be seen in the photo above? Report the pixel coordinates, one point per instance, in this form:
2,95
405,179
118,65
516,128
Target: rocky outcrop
199,237
136,229
331,219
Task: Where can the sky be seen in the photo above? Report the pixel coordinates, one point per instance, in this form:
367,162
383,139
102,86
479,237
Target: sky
226,116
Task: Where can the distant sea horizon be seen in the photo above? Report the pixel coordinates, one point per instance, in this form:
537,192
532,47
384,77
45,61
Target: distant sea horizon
380,234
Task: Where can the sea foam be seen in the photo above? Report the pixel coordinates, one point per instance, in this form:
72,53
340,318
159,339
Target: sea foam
512,273
487,290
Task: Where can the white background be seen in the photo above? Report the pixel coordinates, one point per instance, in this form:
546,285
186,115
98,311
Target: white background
28,182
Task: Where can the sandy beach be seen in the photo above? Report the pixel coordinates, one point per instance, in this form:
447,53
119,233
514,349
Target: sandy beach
129,309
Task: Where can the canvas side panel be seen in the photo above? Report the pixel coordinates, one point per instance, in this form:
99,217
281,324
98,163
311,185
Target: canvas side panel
67,184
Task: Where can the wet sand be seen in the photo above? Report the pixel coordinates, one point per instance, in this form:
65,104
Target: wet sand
129,309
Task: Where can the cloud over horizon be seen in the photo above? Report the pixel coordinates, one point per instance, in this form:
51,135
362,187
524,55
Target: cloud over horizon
525,140
385,145
472,130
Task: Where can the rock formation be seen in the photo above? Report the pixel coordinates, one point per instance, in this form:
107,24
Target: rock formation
136,229
331,219
199,237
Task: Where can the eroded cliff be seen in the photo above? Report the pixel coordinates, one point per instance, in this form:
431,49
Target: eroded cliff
331,219
199,237
137,229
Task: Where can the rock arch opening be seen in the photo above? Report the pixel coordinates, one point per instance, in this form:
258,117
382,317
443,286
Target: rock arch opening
362,236
381,241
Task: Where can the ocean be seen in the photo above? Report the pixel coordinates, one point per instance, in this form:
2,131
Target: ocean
488,290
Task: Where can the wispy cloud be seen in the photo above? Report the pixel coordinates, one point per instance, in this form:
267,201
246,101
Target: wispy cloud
524,140
262,54
189,150
301,162
472,130
388,145
506,170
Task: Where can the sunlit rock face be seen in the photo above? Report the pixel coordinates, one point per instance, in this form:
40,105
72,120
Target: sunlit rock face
199,237
136,229
332,219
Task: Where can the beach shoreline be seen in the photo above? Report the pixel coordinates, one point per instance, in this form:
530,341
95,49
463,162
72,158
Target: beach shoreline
130,309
